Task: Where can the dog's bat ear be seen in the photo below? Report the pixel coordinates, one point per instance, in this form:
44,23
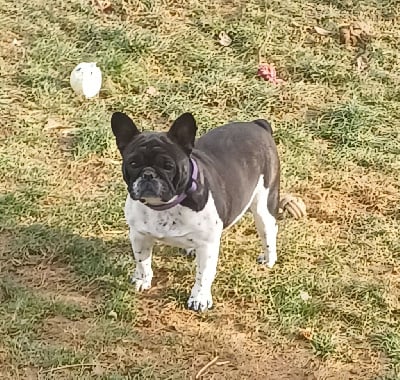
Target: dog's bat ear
124,129
183,131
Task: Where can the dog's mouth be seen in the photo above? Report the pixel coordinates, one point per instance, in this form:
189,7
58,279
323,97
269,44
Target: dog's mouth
155,201
149,191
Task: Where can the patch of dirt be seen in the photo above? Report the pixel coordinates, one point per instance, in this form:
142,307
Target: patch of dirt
54,281
376,193
58,329
11,46
194,341
353,193
81,180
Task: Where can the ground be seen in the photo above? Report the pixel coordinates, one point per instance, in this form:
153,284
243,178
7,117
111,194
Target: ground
330,307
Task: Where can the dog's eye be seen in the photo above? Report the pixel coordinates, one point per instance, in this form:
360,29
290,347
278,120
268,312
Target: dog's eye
168,166
134,164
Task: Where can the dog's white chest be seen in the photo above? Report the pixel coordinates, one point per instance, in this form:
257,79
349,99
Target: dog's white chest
178,226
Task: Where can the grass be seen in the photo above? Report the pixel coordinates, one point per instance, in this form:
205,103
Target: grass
390,341
67,310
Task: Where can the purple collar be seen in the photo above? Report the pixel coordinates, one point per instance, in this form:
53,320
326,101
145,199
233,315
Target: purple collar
181,197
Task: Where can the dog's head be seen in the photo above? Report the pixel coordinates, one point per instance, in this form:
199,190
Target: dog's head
156,165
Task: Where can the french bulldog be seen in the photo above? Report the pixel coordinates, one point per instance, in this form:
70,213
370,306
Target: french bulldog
184,192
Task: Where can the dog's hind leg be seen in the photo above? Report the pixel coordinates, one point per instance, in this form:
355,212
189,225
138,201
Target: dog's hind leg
263,208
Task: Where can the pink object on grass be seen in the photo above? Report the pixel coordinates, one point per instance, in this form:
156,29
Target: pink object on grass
268,72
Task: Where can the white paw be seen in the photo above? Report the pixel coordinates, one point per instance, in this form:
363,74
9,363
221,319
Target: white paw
263,260
190,252
271,263
200,302
141,281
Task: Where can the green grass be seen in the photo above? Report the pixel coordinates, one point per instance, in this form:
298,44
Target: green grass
390,342
323,345
65,260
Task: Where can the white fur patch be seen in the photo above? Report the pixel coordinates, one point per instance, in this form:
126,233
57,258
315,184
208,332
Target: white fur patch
265,222
179,226
266,227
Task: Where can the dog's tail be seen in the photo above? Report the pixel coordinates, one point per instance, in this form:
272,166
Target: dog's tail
264,124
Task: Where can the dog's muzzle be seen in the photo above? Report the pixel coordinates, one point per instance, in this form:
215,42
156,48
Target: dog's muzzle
148,185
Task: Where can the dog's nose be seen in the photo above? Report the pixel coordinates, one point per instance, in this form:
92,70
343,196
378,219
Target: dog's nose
148,174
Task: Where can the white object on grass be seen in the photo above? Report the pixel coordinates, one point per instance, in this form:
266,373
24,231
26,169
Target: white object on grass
85,79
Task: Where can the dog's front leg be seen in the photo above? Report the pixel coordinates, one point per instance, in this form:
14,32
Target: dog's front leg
206,261
142,247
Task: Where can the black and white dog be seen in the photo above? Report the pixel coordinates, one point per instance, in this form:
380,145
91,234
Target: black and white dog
184,192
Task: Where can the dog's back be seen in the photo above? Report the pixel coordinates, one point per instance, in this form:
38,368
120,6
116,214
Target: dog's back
239,155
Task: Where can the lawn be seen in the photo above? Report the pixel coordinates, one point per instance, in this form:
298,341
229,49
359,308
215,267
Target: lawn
329,309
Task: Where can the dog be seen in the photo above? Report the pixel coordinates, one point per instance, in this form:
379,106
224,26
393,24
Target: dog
184,192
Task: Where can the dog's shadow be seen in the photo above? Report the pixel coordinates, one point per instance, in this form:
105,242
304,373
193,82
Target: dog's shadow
107,263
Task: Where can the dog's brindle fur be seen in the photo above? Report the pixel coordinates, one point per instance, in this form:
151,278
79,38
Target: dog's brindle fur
238,169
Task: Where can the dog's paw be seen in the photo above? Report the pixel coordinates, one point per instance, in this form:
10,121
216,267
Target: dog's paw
201,302
263,260
141,282
190,252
